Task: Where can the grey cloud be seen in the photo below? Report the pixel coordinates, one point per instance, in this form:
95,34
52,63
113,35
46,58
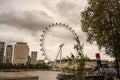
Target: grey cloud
10,39
2,2
67,38
65,5
70,10
32,20
60,33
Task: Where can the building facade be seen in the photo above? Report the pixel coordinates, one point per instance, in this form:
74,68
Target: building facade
2,49
9,53
40,62
21,52
29,60
33,57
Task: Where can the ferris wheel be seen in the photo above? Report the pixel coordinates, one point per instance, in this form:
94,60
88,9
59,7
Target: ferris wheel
45,34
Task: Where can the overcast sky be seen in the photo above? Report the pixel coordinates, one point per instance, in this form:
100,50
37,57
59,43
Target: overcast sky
24,21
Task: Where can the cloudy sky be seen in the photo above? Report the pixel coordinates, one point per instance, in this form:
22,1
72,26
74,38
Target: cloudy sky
24,21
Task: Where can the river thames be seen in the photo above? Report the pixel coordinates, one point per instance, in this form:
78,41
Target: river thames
43,75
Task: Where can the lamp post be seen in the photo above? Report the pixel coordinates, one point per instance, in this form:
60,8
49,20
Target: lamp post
114,46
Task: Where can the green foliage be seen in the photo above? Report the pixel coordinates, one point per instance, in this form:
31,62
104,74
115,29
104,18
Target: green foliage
96,23
78,60
67,70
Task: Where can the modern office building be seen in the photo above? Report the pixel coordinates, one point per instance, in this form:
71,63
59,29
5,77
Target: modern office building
33,57
2,49
9,53
21,52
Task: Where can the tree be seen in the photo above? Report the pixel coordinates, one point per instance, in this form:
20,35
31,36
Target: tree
78,60
99,18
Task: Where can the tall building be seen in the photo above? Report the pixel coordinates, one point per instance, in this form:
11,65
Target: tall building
29,60
9,52
21,52
33,57
2,49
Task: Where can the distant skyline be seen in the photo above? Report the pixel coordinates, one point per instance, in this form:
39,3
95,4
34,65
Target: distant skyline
24,21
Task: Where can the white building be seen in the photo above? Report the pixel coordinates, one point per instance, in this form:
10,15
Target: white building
33,57
9,53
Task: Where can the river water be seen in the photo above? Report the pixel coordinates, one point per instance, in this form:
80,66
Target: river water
43,75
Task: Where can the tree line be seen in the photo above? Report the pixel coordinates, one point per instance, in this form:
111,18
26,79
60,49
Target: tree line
23,66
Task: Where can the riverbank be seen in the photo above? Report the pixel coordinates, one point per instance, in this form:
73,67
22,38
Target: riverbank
43,75
20,78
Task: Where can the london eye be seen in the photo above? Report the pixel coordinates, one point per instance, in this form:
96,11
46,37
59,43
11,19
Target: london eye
56,37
